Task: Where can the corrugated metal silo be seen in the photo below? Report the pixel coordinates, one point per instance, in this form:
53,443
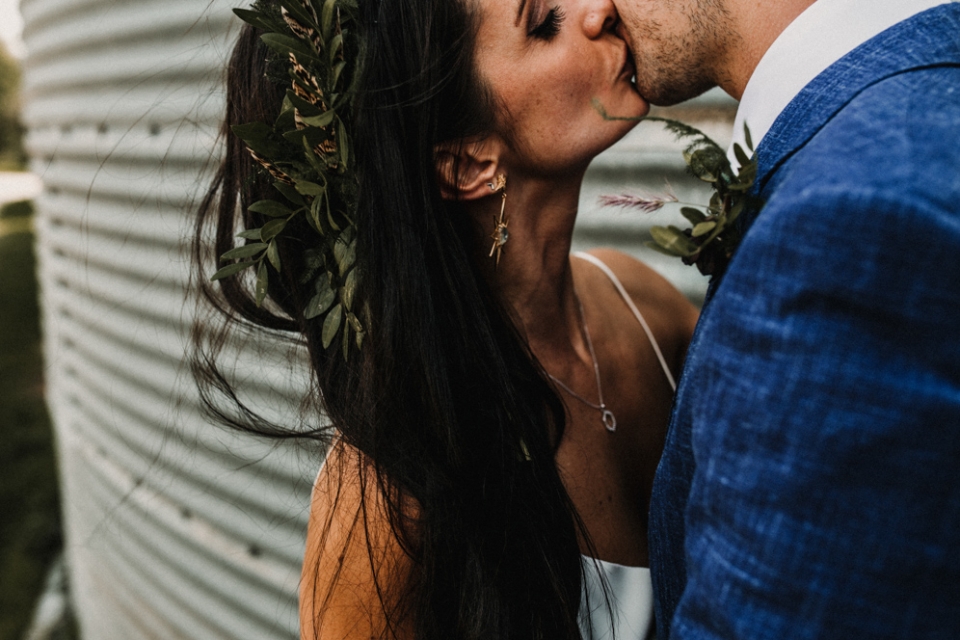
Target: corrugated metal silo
175,529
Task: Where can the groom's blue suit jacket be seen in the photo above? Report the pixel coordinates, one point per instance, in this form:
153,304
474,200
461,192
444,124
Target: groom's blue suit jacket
810,486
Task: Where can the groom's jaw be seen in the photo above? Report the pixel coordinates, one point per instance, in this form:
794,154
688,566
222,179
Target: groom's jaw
674,45
685,47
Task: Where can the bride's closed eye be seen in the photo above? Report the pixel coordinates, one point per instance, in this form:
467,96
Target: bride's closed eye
549,27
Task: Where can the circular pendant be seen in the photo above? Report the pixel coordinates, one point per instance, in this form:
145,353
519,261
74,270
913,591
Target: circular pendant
609,420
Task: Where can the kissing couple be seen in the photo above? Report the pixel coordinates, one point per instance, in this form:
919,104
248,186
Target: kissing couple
528,444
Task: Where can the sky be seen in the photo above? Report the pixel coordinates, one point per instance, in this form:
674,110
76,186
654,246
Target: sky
10,27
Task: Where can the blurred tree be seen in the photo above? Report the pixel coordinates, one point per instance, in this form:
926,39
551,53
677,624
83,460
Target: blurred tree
12,156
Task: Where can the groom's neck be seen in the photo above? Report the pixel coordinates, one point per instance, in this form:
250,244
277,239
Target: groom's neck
757,24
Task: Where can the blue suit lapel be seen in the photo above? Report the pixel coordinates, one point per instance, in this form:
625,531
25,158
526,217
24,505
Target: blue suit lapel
881,57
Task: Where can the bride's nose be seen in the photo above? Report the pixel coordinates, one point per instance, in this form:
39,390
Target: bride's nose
600,17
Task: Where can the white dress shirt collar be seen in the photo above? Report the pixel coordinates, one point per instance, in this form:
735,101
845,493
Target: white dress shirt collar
818,37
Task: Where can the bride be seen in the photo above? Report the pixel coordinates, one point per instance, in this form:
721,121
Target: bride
495,436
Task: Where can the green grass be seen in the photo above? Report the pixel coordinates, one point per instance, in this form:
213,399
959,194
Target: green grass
29,514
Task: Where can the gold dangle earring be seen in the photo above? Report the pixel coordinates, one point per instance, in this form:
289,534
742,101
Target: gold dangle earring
500,233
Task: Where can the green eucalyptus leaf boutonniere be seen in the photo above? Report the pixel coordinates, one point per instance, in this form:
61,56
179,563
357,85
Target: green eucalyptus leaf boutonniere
712,237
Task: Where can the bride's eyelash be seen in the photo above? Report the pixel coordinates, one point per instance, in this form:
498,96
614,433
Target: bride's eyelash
550,26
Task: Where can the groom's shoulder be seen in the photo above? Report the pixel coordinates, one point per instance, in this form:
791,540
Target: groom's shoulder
910,112
900,135
880,177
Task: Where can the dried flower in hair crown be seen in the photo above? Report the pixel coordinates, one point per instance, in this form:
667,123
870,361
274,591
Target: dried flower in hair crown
307,152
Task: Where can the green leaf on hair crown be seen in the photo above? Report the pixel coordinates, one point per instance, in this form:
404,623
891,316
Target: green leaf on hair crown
307,153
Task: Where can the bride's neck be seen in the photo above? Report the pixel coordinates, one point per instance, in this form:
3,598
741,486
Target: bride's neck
534,276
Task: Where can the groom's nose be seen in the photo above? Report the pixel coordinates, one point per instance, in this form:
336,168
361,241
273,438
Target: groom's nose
600,17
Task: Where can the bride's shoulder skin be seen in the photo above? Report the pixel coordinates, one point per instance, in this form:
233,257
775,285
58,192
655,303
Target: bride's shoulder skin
672,318
354,567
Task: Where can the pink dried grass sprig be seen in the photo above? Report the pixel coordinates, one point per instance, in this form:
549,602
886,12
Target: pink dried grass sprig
644,202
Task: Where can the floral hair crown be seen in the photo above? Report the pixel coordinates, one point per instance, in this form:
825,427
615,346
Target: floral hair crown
307,153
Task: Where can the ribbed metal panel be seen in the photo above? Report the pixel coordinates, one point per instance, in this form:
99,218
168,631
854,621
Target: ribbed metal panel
175,529
178,529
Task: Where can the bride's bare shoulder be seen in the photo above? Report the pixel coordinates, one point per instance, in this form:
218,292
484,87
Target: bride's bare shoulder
671,316
354,569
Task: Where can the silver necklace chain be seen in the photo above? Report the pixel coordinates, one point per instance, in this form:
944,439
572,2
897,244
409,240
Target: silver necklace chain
606,416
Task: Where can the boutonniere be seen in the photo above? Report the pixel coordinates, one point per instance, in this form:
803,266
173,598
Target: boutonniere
712,237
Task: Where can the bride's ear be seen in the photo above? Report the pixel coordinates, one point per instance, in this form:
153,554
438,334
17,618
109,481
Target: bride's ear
465,169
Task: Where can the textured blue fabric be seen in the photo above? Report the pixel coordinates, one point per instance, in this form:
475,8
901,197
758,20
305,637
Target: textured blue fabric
810,486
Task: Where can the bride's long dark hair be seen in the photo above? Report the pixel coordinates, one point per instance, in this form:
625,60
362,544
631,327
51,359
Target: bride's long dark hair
444,400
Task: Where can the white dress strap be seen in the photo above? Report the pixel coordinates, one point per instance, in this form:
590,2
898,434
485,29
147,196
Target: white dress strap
636,312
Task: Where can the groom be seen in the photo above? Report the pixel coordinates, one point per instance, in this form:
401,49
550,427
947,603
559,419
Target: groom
810,486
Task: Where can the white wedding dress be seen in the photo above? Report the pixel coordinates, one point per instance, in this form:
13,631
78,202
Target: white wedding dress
625,611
